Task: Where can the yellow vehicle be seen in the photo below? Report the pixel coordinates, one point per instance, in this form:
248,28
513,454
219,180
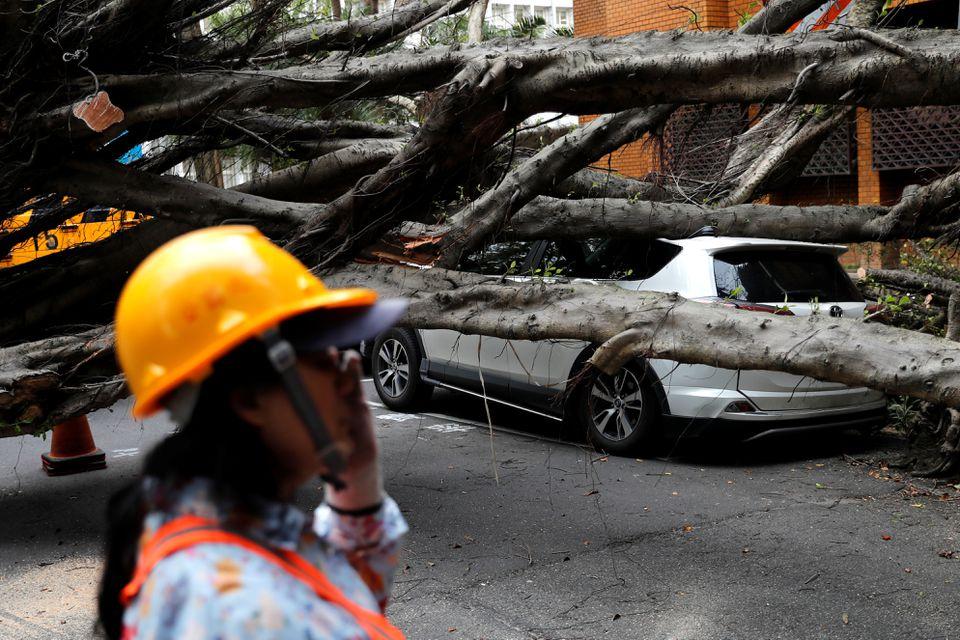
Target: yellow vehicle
92,225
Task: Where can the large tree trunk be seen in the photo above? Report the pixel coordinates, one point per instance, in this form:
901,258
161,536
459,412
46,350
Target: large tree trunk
631,325
475,22
255,82
658,325
45,382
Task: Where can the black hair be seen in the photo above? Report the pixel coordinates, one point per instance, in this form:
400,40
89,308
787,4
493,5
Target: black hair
213,443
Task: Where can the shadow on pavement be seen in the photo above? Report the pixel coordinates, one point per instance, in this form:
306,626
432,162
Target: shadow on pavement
775,449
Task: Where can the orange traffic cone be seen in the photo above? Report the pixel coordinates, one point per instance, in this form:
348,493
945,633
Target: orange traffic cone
72,449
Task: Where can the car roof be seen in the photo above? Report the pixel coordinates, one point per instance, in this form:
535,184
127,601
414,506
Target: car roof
715,244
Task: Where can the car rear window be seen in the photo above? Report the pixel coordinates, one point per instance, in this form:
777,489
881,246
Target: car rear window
782,275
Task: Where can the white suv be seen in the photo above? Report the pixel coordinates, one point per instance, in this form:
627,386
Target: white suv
627,412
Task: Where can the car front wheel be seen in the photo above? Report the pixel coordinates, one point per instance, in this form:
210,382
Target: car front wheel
619,412
395,365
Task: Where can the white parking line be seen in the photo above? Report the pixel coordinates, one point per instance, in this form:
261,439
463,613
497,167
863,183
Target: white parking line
452,427
483,426
398,417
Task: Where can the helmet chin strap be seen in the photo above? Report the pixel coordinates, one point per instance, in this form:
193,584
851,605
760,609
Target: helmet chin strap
284,361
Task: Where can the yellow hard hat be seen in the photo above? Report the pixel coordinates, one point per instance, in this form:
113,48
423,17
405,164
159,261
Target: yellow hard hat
200,295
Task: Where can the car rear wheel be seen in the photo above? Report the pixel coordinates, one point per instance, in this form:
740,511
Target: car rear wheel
619,412
395,365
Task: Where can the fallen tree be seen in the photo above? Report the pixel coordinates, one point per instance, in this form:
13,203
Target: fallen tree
376,149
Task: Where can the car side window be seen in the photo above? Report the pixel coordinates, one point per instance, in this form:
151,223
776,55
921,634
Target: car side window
499,258
561,258
617,259
96,214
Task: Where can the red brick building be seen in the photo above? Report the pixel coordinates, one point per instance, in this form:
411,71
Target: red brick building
868,162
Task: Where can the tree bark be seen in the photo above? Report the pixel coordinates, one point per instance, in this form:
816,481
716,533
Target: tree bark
45,382
667,326
360,34
326,177
574,77
610,217
475,22
911,281
193,203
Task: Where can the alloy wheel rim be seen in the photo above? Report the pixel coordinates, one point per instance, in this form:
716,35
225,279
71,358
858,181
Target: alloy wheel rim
616,404
393,371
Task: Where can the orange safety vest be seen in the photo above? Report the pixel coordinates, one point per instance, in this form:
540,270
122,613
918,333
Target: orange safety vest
188,531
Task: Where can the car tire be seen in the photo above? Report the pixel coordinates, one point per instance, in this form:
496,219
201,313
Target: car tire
619,414
395,366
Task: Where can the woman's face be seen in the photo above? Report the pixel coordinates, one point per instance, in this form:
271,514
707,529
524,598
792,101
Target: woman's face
271,411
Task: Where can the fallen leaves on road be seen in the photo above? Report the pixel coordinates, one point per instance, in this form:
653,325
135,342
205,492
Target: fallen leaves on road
687,528
883,474
845,618
949,555
591,492
886,537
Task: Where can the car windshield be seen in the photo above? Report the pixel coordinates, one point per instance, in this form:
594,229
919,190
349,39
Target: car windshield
783,275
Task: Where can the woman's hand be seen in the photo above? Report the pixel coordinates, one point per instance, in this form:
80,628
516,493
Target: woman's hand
356,436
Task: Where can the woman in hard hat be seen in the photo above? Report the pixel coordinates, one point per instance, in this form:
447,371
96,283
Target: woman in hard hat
238,341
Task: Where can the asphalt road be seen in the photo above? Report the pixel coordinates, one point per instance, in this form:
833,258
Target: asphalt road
520,536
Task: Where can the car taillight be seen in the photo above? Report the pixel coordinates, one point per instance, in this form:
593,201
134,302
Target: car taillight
763,308
749,306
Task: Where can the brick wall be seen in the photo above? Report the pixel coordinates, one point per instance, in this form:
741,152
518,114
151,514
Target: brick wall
620,17
865,186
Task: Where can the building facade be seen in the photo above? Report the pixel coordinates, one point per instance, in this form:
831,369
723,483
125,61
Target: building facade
557,14
868,161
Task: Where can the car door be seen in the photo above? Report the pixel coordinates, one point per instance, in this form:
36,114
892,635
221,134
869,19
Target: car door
473,361
540,368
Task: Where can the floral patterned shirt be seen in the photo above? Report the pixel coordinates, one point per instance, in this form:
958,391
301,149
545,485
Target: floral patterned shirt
224,592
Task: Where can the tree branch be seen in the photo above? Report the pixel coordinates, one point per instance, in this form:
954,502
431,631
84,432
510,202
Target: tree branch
848,351
175,198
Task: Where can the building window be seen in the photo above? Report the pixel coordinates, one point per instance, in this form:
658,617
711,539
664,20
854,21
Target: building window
500,13
564,17
521,12
544,14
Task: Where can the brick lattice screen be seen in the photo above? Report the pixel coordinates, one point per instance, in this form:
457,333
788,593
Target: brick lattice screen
833,156
906,138
696,140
